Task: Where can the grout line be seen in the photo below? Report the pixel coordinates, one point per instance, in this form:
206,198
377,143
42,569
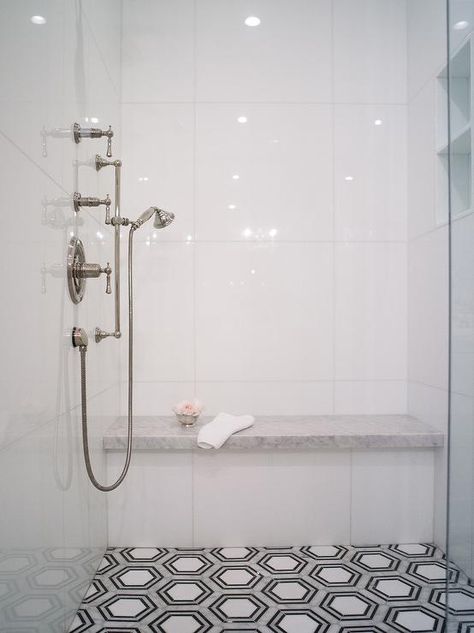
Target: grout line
367,104
333,157
193,523
276,380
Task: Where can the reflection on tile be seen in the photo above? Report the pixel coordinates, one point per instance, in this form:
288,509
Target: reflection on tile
370,149
258,64
239,289
286,144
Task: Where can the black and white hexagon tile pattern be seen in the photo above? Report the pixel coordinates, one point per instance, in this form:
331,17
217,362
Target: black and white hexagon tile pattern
398,588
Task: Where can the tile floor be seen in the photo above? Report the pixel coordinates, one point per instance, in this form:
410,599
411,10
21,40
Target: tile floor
285,590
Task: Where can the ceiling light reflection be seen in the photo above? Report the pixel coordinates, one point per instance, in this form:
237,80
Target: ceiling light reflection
461,25
252,20
242,119
37,19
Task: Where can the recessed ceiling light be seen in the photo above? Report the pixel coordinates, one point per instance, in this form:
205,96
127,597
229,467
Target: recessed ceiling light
235,177
378,122
252,20
38,19
272,232
242,119
349,178
231,206
247,232
252,271
461,25
143,179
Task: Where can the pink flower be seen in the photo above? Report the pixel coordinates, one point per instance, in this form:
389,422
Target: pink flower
186,407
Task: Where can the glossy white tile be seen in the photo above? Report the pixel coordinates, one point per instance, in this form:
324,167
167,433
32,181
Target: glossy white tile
370,173
159,169
369,51
240,289
426,42
157,51
166,478
267,398
296,478
370,319
286,58
392,496
424,184
238,166
428,309
164,312
370,397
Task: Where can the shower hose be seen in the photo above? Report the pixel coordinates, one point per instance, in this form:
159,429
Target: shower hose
83,351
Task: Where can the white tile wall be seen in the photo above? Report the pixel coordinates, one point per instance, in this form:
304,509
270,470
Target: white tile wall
387,505
369,51
272,488
238,498
154,505
287,58
264,312
290,145
157,51
428,294
294,280
370,320
370,150
428,299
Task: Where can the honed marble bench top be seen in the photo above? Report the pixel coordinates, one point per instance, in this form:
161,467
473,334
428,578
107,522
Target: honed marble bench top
283,432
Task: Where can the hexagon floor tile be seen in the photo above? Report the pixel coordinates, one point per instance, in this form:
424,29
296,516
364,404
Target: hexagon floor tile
312,589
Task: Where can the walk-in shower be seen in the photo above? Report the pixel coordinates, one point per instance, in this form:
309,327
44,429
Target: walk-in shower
308,312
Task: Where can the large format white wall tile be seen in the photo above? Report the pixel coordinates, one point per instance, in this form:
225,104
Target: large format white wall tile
271,176
370,172
263,312
161,483
164,312
370,397
158,165
157,51
426,34
156,398
267,398
461,505
370,320
369,51
286,58
428,309
462,298
285,493
423,185
392,496
430,405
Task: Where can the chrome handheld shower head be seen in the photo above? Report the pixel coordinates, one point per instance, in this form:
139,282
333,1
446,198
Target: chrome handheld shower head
162,218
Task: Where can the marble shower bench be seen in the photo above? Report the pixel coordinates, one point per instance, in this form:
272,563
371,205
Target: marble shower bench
354,479
283,432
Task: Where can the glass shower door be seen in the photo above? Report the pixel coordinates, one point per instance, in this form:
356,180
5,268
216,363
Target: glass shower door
461,428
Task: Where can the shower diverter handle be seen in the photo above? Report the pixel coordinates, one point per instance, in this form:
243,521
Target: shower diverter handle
92,271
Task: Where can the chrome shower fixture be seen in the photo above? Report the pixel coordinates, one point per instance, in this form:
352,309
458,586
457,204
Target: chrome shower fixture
78,270
88,201
162,218
93,132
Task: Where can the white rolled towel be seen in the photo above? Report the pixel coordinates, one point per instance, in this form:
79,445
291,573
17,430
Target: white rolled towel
216,433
